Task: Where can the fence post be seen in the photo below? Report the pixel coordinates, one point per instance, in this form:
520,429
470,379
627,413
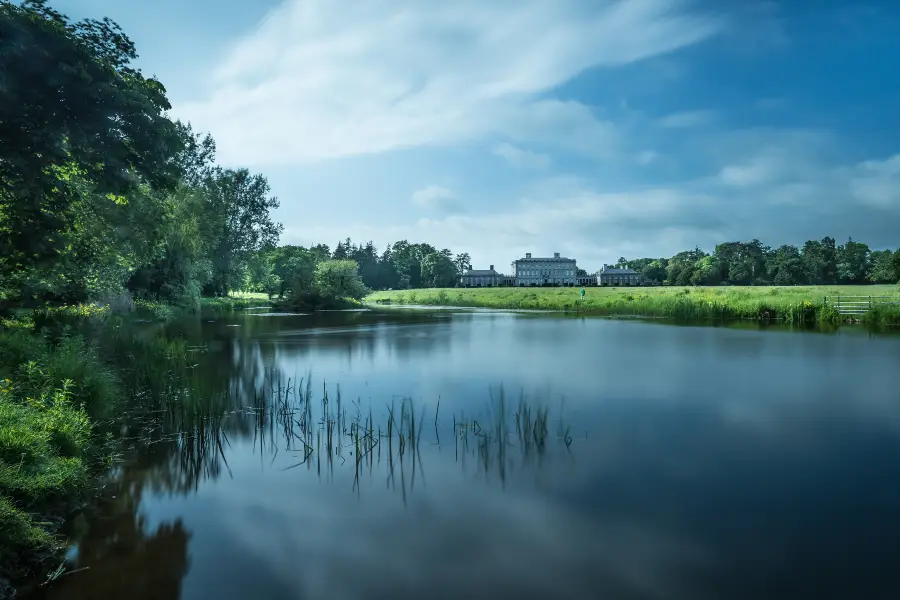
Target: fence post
870,302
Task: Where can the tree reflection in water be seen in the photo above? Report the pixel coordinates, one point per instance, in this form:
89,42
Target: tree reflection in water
180,436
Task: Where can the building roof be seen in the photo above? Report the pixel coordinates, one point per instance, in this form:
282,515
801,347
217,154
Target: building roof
612,271
552,258
481,272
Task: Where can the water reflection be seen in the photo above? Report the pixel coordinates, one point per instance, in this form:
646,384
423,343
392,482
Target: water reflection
685,463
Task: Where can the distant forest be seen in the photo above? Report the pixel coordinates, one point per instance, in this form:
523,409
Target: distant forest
405,265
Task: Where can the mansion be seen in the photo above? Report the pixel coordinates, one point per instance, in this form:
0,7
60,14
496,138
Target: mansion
556,271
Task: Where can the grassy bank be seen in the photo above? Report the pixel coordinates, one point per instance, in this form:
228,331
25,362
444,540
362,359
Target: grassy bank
50,394
64,374
702,304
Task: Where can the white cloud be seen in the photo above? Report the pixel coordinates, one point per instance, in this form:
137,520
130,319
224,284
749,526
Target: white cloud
758,171
435,197
682,120
877,183
768,156
321,79
760,195
589,226
522,158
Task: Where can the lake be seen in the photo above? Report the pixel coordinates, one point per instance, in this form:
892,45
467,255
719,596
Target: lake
478,454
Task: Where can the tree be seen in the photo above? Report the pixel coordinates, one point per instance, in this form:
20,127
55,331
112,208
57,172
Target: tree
681,267
655,271
238,206
338,279
367,259
885,267
342,250
295,267
462,262
438,270
706,272
820,261
87,125
852,262
786,266
182,266
742,263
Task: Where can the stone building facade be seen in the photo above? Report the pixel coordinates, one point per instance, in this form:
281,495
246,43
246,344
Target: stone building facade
482,278
614,276
530,271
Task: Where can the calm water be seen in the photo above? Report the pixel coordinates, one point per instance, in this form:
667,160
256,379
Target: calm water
678,462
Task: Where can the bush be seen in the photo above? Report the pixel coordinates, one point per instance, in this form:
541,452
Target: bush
38,366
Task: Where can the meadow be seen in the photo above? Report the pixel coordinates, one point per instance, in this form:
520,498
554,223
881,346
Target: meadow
794,304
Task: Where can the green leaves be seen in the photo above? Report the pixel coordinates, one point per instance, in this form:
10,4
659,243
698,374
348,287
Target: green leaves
77,124
339,279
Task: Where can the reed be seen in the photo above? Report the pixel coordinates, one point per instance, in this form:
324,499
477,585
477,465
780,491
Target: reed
324,432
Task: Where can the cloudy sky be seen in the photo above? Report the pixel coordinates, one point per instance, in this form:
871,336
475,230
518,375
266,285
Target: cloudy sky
594,128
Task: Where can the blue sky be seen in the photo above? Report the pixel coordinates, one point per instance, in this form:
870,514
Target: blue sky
588,127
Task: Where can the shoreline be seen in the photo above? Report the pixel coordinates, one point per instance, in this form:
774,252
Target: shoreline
788,305
63,372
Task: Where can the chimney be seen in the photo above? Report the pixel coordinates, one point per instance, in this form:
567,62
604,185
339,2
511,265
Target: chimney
492,267
528,255
556,255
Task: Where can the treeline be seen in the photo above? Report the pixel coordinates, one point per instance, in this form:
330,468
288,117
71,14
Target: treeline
819,262
100,191
291,270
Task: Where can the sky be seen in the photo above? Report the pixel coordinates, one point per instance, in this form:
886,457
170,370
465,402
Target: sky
593,128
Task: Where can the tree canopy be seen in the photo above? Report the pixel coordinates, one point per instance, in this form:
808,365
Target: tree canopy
817,262
99,188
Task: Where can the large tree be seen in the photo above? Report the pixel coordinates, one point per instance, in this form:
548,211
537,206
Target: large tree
75,121
181,266
239,221
885,267
852,262
786,266
438,270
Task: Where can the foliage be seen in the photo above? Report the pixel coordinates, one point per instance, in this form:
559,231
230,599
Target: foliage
885,266
290,270
238,219
103,145
37,367
819,262
339,279
45,437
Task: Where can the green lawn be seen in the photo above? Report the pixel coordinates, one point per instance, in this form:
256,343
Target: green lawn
249,295
793,304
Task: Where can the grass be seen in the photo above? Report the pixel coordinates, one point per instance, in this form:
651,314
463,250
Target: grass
795,304
45,442
64,372
58,396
